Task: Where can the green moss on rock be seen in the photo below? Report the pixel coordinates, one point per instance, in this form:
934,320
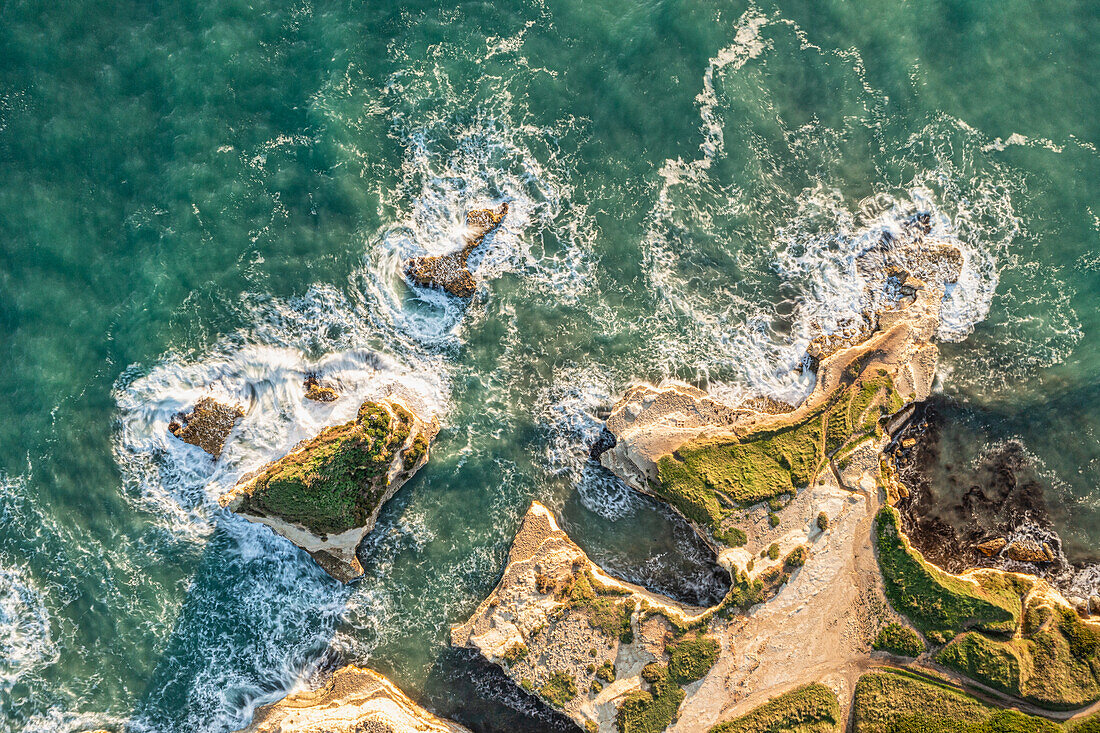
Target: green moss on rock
650,711
559,689
1054,665
894,701
690,658
703,479
334,481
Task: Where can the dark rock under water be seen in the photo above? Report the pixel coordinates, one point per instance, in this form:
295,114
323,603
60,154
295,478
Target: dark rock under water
969,507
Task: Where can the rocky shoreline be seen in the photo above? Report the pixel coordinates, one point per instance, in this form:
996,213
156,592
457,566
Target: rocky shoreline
796,504
840,608
1001,519
352,700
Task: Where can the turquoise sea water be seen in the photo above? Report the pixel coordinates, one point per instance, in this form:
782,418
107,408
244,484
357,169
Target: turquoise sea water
214,197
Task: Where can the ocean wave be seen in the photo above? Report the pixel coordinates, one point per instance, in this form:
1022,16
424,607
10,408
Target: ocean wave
458,155
26,642
746,270
263,371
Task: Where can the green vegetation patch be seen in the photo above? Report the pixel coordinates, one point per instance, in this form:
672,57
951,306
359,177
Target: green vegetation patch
1055,664
515,653
894,701
808,709
606,672
336,480
606,609
650,711
690,658
704,479
938,604
560,689
900,640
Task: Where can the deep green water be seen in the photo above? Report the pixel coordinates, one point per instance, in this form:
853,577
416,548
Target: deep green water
214,198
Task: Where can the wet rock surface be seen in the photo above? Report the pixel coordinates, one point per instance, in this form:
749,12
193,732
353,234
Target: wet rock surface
207,425
451,271
318,391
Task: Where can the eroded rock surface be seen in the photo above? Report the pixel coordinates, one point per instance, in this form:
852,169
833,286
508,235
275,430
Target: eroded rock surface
325,495
354,700
451,271
318,391
207,425
787,498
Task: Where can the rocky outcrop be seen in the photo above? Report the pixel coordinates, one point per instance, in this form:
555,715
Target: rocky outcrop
451,271
325,495
319,392
989,548
353,700
807,597
604,651
651,422
207,425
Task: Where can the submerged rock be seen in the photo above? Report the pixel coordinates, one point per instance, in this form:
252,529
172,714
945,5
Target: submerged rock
451,271
325,495
354,700
207,425
319,392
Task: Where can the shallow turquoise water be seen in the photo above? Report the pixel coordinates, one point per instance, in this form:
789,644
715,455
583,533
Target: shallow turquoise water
215,197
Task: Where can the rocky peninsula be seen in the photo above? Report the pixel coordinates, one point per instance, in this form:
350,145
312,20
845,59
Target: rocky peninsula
451,271
352,700
796,502
325,494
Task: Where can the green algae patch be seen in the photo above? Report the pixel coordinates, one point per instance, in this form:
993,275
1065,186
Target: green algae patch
900,640
704,480
894,701
334,481
940,605
1055,665
811,708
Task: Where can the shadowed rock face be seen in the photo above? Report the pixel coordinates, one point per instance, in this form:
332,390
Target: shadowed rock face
354,700
451,271
207,425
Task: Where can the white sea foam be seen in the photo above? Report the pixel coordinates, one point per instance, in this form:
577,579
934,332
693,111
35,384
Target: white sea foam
456,158
741,291
262,371
26,642
568,411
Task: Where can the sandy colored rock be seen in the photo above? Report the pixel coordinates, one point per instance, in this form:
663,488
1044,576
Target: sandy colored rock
353,700
451,271
1028,551
989,548
333,543
319,392
207,425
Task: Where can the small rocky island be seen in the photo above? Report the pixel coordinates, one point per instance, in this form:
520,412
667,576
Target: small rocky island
207,425
325,494
353,700
451,271
832,618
